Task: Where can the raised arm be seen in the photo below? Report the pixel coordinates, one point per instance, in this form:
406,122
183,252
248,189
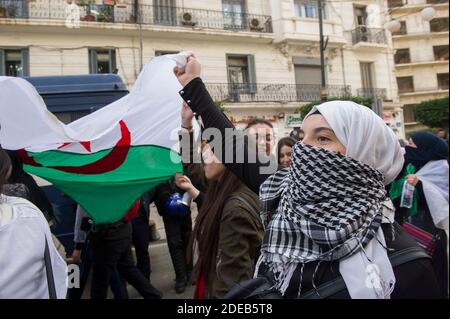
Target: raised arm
199,100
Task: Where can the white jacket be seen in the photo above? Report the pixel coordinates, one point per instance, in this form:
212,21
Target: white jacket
23,230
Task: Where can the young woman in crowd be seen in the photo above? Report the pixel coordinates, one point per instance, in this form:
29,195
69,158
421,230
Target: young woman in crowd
331,214
285,151
262,131
426,168
24,238
228,230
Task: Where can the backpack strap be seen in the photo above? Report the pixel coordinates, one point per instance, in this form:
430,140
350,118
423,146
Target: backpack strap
397,258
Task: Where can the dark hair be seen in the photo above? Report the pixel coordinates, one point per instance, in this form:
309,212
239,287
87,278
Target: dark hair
207,225
257,121
285,141
5,166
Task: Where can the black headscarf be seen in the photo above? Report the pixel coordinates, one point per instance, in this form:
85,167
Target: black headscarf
37,195
429,148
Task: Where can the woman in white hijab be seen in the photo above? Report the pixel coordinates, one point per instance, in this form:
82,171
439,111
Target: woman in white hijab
23,236
328,214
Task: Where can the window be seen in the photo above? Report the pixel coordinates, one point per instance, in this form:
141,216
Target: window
360,15
409,113
164,12
439,25
307,9
395,3
102,61
241,72
440,52
402,29
405,84
233,14
14,62
68,117
14,9
402,56
367,79
442,81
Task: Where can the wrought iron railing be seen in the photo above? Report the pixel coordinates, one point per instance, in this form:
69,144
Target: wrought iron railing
375,93
126,13
262,92
371,35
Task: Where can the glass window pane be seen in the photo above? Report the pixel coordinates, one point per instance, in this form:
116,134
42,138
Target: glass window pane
13,63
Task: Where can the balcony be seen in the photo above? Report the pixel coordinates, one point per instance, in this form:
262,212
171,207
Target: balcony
126,13
261,92
363,36
374,93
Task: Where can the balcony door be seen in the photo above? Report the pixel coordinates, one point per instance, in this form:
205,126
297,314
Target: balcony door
164,12
234,14
367,80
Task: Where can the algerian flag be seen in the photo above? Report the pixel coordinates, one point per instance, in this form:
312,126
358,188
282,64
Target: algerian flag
106,160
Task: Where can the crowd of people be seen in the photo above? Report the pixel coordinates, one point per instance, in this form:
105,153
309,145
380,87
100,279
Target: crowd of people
332,215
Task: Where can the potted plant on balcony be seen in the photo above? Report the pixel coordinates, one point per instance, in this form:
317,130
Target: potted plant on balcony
85,3
105,15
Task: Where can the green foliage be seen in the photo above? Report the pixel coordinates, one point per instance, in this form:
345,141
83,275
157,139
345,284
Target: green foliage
433,113
304,110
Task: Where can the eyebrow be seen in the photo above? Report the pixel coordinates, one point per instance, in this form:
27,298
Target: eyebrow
319,129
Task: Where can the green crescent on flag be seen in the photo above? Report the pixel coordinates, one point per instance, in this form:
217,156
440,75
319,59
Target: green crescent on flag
106,160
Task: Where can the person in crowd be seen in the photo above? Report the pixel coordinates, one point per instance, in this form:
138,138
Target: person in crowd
285,151
22,184
262,130
82,256
331,216
426,168
178,220
27,251
297,133
228,230
141,233
178,228
111,247
443,135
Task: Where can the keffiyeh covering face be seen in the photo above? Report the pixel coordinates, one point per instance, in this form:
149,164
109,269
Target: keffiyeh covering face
329,206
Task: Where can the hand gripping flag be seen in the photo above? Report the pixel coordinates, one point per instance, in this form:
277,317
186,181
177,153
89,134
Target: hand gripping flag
106,160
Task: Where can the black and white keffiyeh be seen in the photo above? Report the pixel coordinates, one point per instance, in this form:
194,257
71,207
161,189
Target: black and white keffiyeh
325,207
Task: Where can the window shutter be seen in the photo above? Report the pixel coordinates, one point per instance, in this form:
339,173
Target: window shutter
92,62
112,60
25,63
252,73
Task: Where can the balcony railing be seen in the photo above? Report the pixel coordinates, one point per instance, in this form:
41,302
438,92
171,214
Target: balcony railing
260,92
424,90
126,13
375,93
370,35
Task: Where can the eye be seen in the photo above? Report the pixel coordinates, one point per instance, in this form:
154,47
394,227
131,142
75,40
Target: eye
323,139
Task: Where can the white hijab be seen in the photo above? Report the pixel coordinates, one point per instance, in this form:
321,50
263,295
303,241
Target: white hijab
365,135
368,140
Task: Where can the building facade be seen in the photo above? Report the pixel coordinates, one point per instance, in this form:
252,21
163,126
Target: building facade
421,54
260,57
